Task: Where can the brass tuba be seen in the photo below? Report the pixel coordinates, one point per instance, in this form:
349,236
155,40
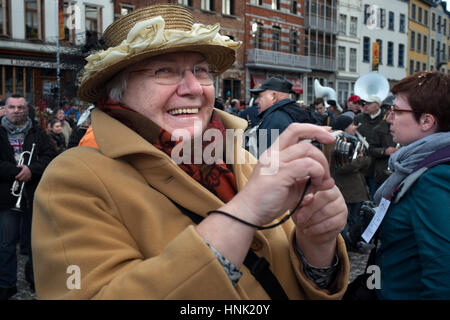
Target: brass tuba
329,93
17,185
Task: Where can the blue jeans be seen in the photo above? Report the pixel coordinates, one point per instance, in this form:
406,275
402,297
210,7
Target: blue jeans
9,236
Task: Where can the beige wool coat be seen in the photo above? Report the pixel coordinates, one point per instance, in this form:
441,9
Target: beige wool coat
106,213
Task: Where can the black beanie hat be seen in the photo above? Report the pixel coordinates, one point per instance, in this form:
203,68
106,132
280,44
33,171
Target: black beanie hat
341,122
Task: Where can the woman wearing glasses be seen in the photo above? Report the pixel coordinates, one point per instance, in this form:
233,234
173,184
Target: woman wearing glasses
414,250
132,222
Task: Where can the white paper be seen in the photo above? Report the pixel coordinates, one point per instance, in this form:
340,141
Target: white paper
376,220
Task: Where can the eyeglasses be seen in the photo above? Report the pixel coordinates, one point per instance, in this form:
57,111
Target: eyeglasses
394,109
171,75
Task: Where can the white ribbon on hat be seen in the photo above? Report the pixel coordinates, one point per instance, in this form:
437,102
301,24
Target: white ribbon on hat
150,34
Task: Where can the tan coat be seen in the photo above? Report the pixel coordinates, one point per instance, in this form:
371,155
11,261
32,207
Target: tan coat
95,210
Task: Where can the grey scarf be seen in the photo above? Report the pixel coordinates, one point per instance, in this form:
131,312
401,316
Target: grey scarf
16,132
407,158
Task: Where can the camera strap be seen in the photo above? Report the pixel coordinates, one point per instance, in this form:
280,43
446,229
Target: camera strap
258,266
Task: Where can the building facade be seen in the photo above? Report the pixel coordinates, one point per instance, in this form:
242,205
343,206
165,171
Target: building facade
275,43
349,17
320,44
30,48
386,24
439,28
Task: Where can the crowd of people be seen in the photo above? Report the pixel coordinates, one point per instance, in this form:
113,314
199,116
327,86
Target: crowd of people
28,143
141,226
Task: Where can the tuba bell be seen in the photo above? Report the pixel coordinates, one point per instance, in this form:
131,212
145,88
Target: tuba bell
322,92
372,84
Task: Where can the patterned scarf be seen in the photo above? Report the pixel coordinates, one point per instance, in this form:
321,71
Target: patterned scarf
218,178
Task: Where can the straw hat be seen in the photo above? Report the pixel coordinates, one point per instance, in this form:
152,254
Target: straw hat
148,32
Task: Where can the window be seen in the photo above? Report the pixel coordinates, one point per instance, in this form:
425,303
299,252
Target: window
366,49
69,20
425,44
401,55
381,21
258,35
413,11
390,54
185,2
276,38
424,66
439,25
343,91
93,22
444,32
126,9
419,14
208,5
16,80
417,66
293,42
425,17
228,7
413,40
411,66
341,58
294,6
380,44
233,87
4,18
33,20
343,23
366,13
391,21
432,47
419,42
276,5
402,23
352,59
433,21
353,26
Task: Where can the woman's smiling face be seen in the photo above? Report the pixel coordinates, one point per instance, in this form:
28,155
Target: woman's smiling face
175,105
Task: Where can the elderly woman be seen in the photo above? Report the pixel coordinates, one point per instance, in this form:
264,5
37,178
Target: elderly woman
414,254
129,222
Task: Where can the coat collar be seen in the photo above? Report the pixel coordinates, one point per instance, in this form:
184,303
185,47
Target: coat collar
117,141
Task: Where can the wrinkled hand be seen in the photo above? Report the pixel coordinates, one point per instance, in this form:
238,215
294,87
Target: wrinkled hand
24,174
321,217
279,178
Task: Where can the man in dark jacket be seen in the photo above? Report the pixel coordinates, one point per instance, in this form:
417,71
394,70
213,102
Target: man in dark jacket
370,117
276,110
18,133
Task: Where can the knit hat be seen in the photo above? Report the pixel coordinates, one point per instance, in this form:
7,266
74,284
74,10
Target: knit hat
148,32
354,98
341,122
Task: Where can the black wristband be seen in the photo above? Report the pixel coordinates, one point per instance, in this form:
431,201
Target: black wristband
272,225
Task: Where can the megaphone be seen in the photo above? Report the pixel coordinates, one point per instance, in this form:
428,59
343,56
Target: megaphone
372,84
322,92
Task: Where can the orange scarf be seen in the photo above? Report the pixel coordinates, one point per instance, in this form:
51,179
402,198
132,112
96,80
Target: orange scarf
218,178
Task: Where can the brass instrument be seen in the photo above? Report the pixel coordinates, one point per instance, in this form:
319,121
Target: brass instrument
16,185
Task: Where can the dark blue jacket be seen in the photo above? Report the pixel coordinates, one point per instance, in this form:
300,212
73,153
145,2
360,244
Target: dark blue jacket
280,116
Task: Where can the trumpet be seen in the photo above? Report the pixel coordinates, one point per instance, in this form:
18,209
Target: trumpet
17,185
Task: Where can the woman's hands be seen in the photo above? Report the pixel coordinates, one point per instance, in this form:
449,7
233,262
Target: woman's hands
280,176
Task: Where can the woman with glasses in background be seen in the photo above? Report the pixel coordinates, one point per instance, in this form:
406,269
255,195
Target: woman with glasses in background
414,250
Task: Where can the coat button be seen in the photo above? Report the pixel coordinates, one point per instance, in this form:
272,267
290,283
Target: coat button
256,245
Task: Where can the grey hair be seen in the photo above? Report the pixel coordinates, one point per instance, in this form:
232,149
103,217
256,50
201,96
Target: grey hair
116,87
